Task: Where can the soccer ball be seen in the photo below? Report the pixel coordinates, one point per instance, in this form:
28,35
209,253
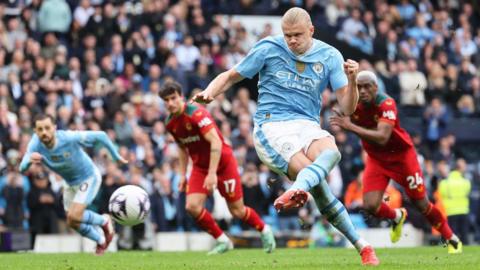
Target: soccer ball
129,205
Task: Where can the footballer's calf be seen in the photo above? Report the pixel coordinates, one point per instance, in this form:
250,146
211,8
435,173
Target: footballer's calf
372,200
75,215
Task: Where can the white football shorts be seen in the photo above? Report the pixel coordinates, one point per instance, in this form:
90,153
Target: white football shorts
277,142
83,193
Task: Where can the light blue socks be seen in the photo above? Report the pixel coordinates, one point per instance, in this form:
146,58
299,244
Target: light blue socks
313,179
91,232
334,211
90,217
312,175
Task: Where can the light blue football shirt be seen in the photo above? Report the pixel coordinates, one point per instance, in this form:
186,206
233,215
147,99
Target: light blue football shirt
290,87
67,157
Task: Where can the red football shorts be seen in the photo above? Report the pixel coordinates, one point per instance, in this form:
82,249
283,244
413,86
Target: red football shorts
229,182
405,171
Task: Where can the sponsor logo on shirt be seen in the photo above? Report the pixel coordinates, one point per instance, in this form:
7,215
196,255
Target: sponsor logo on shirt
204,122
189,139
389,115
292,80
300,66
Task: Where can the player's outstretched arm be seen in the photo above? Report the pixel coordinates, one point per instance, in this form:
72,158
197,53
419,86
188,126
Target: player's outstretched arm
30,157
89,138
103,139
247,68
380,135
219,85
347,96
25,163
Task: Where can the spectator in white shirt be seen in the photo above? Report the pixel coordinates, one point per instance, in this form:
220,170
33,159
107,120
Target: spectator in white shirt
83,12
187,54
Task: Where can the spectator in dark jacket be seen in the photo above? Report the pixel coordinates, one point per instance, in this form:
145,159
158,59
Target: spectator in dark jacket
41,201
435,121
13,193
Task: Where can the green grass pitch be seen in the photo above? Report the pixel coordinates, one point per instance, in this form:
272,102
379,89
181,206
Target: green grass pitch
321,258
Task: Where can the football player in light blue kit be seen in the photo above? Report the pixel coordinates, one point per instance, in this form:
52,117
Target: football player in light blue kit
62,152
294,70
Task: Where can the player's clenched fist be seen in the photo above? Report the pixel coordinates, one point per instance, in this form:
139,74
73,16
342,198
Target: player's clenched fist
351,69
36,158
203,97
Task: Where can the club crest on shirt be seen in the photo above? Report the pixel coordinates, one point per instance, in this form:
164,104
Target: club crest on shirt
375,118
300,66
318,68
66,155
188,126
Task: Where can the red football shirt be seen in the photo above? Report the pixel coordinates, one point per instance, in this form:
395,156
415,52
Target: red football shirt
368,116
188,130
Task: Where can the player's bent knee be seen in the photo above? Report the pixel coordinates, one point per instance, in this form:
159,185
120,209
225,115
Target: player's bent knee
332,157
238,212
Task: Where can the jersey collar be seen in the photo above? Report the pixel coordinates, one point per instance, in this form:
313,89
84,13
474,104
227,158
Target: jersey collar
184,109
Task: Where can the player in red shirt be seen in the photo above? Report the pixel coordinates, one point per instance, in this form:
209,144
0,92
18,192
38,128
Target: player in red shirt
214,166
391,155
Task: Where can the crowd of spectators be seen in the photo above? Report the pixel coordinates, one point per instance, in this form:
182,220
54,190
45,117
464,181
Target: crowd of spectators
99,65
